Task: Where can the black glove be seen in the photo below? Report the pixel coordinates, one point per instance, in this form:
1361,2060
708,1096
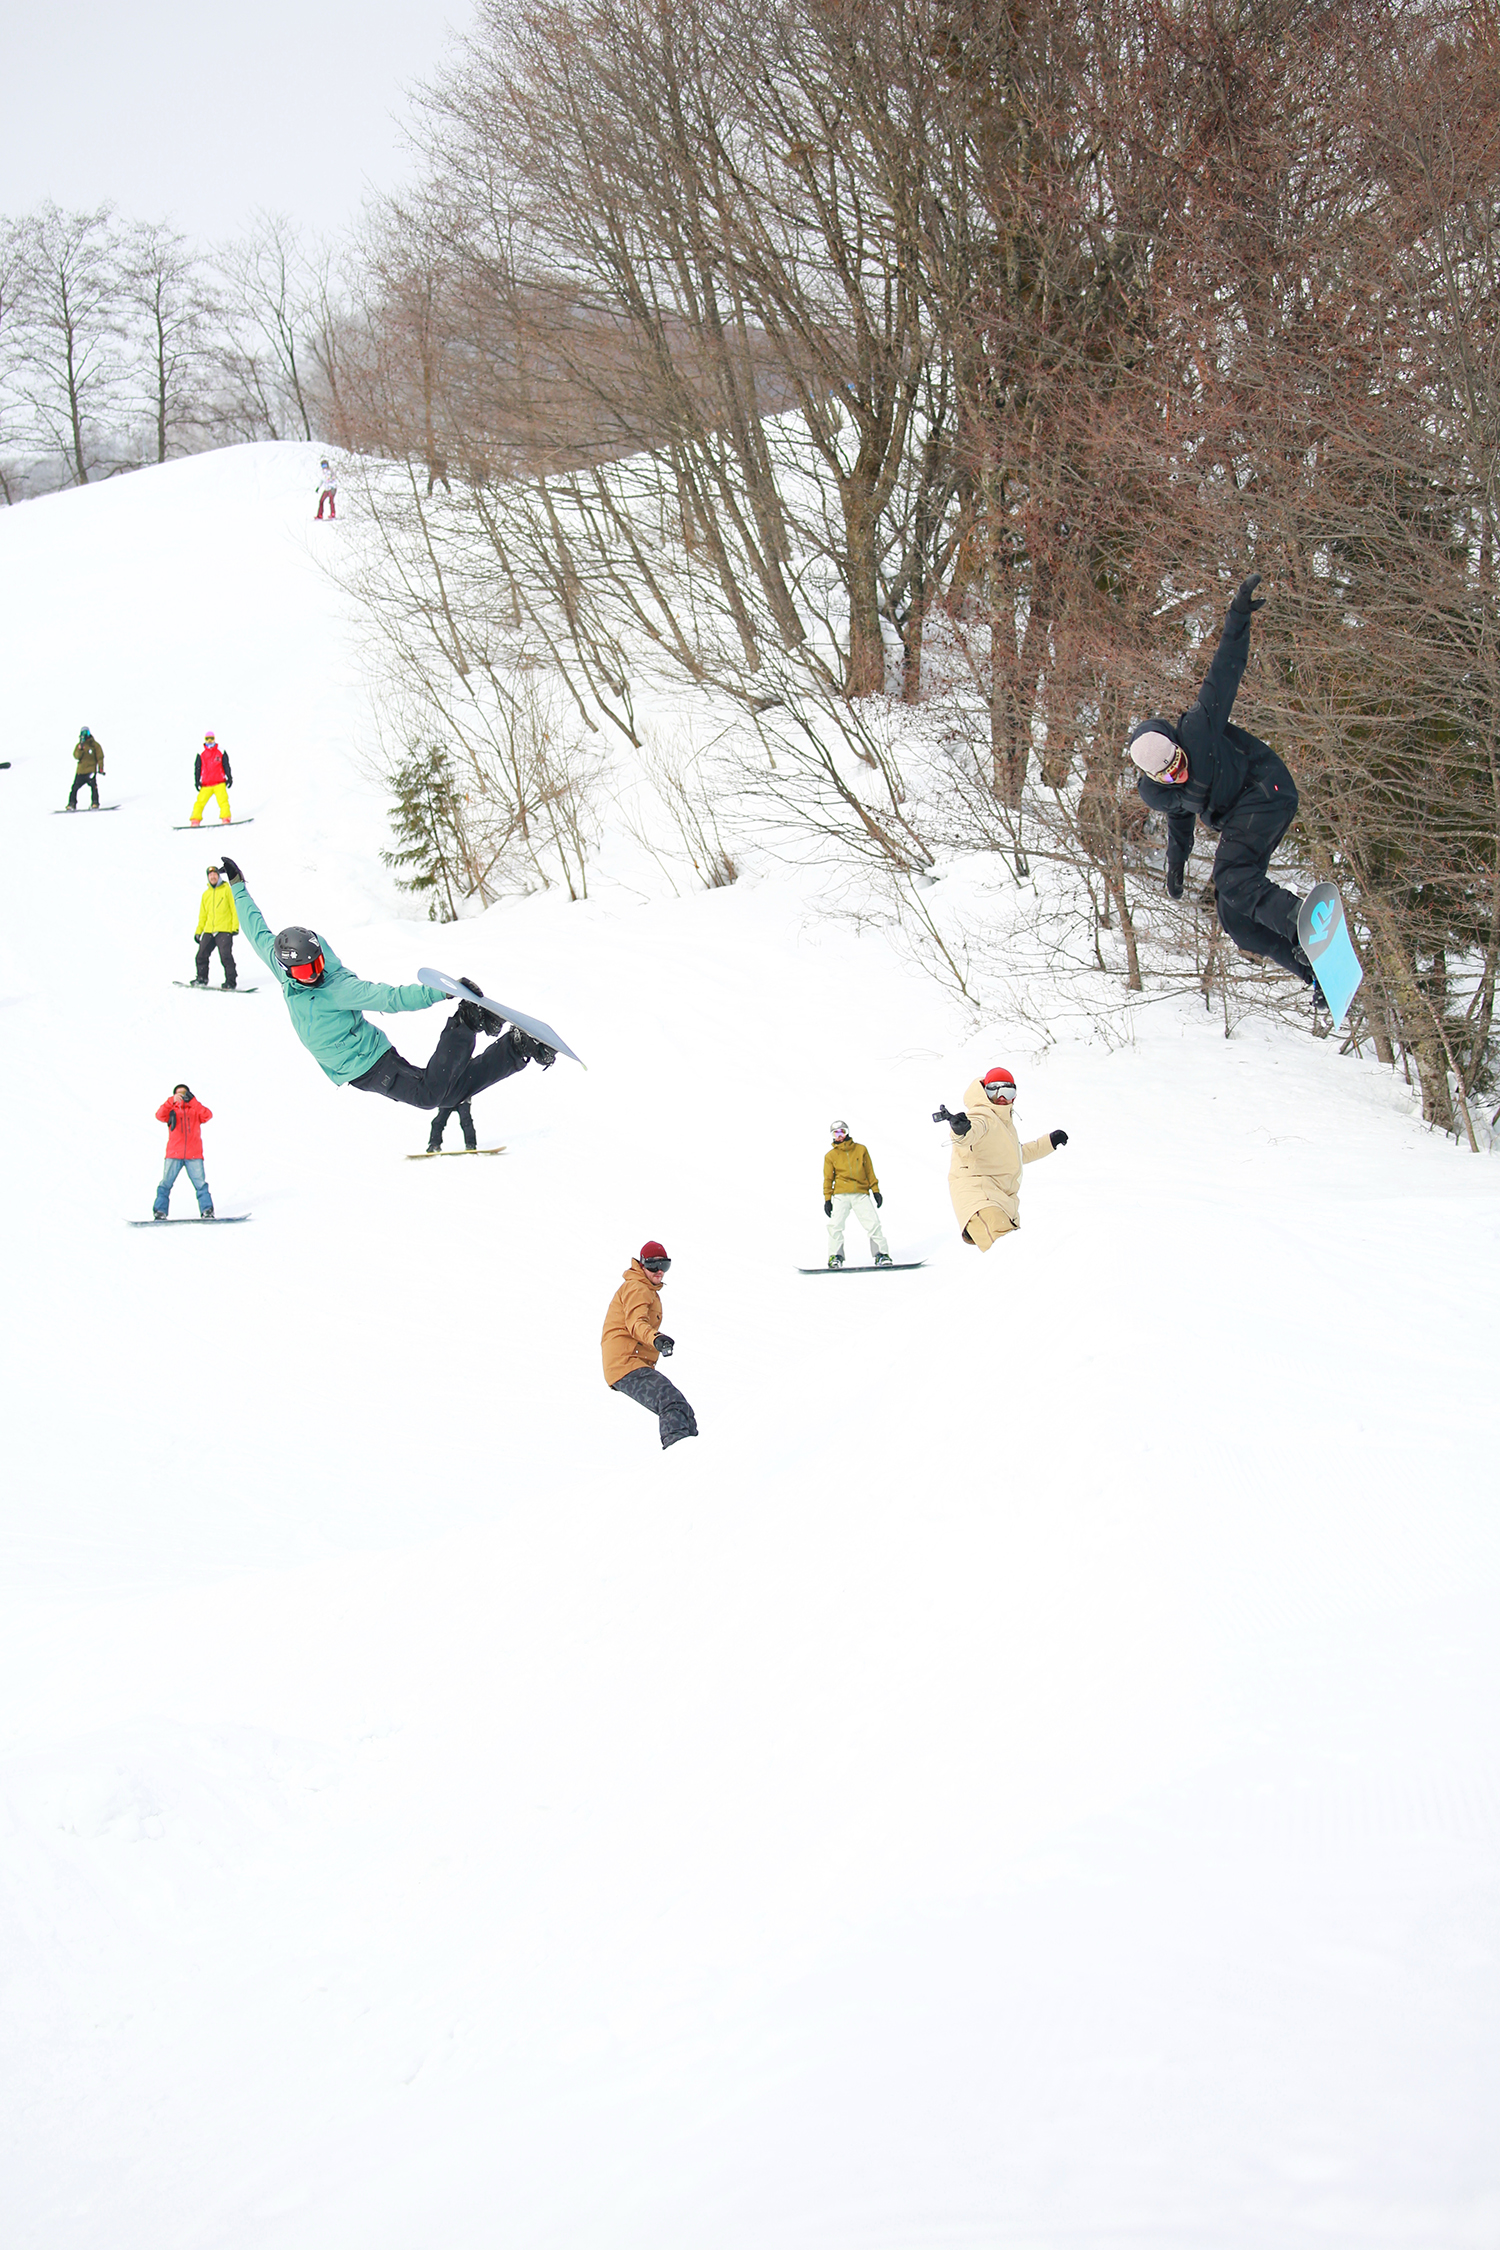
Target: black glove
229,868
1059,1138
664,1345
960,1124
1175,871
945,1116
1242,601
827,1207
879,1198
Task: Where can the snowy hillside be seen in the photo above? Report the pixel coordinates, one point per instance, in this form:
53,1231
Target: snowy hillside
1026,1775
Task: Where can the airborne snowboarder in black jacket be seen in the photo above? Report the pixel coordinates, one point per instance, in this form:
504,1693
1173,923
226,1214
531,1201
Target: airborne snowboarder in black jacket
1234,783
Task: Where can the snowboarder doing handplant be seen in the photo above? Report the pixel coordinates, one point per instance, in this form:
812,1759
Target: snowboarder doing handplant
850,1189
184,1117
88,762
1204,767
326,1003
465,1126
633,1342
217,924
984,1175
211,778
328,485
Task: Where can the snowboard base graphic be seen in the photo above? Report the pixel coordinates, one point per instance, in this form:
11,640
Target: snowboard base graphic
182,826
420,1155
896,1265
1323,934
220,1219
191,984
442,982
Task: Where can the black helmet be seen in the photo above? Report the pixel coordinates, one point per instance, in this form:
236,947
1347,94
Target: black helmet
300,953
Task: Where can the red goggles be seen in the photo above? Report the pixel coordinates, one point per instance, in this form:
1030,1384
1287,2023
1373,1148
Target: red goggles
307,972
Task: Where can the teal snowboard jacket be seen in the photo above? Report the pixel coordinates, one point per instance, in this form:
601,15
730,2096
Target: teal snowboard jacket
327,1017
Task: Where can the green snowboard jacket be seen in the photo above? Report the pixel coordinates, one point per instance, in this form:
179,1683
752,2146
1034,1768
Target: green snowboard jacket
326,1017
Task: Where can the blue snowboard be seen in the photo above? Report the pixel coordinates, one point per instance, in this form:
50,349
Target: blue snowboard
1323,935
442,982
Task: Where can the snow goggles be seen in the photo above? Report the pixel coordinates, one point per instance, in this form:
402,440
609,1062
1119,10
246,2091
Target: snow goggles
657,1265
307,972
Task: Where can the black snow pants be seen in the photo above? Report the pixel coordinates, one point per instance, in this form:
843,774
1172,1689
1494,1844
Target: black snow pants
1258,914
88,781
465,1126
455,1074
650,1388
224,940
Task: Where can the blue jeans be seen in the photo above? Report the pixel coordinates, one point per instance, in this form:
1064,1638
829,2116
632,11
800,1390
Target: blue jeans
193,1166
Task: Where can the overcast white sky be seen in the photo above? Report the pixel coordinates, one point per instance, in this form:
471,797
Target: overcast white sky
202,114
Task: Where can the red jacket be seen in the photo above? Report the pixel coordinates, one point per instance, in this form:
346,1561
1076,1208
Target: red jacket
210,767
186,1136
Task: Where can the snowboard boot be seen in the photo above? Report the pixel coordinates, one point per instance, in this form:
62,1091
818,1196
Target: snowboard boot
208,1214
158,1214
531,1050
835,1261
882,1257
434,1145
477,1019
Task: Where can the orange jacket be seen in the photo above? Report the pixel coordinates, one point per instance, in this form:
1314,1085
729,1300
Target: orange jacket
186,1136
631,1323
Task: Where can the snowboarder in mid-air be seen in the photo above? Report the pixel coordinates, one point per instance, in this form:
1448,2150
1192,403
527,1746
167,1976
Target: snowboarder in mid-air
184,1117
633,1342
984,1174
1206,768
326,1003
850,1189
88,761
217,924
211,778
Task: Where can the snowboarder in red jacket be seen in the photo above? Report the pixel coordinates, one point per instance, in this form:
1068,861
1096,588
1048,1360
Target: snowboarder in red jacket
184,1117
211,778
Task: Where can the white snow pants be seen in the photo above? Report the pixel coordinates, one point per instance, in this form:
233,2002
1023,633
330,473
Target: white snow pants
861,1207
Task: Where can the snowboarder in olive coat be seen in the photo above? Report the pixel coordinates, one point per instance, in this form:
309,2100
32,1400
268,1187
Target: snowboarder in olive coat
1206,768
326,1003
633,1342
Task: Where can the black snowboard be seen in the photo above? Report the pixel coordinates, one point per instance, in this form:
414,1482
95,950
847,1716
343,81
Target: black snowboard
86,808
191,984
897,1265
211,827
220,1219
420,1155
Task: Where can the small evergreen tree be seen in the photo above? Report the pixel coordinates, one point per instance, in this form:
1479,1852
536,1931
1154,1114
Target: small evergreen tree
428,820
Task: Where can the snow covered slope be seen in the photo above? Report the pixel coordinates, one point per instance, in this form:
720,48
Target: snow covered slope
1027,1775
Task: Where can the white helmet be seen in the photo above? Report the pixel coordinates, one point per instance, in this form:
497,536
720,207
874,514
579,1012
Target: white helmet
837,1127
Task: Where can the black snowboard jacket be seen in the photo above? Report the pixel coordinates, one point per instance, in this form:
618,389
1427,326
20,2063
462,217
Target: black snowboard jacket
1222,758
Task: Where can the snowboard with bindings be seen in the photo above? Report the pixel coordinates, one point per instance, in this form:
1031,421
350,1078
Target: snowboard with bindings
86,808
420,1155
897,1265
1323,934
219,1219
442,982
210,827
191,984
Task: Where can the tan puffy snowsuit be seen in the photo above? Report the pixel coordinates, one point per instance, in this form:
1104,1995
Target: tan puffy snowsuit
984,1178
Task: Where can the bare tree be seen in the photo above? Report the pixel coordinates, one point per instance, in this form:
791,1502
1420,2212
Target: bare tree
176,316
71,327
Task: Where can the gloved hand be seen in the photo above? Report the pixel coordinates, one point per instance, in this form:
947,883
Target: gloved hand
827,1207
229,868
1175,872
1246,588
664,1345
1059,1138
879,1198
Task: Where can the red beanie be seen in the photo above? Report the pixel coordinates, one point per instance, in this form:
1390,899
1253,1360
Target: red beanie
652,1250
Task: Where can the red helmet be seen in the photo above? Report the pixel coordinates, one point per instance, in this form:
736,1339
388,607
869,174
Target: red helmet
999,1085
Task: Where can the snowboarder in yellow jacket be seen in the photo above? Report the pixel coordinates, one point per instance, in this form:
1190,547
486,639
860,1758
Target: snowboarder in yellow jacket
217,924
984,1176
88,760
850,1185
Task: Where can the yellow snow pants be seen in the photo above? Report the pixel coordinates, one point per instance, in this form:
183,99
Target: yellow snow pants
215,789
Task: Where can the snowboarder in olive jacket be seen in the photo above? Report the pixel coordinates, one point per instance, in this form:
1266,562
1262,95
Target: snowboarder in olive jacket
1206,768
326,1003
984,1174
850,1189
88,762
633,1342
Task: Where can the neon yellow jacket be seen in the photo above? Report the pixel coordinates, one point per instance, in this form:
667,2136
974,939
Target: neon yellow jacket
216,908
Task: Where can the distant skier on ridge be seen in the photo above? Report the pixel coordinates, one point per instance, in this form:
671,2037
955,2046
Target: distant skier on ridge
326,1002
1206,768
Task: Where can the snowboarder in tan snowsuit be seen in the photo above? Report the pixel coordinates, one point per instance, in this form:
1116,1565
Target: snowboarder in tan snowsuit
984,1177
